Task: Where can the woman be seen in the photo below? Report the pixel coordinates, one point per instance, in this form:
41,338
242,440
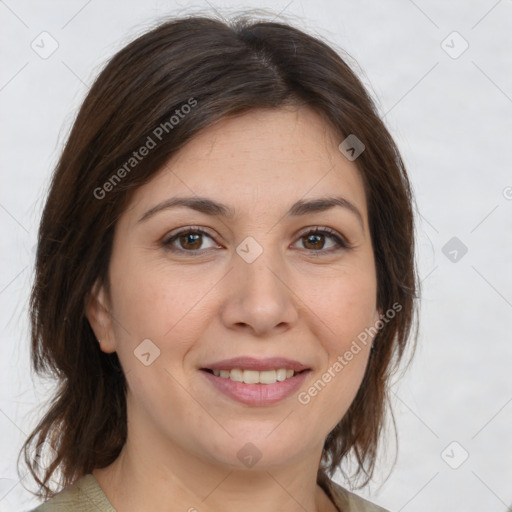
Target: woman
225,278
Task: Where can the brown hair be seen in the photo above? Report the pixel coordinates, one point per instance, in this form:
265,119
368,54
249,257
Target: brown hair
227,69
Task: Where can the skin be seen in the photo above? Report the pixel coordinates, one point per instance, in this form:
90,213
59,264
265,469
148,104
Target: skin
293,301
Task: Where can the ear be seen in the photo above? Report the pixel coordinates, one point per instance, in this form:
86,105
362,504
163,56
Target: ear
97,311
376,315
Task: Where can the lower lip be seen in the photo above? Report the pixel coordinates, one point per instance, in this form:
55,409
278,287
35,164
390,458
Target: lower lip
257,394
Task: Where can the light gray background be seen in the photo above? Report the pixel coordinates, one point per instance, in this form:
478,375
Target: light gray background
452,120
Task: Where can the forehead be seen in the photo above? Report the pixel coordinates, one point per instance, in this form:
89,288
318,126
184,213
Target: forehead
266,159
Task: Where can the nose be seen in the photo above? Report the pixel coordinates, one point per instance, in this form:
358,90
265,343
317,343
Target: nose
259,296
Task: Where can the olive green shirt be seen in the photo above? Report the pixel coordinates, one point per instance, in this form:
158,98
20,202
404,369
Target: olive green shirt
86,495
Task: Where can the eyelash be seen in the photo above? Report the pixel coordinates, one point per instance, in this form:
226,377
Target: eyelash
317,230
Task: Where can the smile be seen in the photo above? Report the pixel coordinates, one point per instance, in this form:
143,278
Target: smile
255,392
254,376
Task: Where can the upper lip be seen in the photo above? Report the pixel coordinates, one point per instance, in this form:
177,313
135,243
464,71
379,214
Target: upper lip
251,363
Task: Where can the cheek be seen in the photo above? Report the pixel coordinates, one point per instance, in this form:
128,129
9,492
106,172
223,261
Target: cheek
347,310
171,312
156,302
346,306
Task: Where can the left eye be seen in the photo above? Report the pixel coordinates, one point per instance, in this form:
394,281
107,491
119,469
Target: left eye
316,239
191,240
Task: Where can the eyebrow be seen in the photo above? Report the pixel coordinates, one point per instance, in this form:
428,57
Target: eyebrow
214,208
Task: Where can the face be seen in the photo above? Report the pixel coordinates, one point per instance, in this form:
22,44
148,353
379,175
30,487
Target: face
209,312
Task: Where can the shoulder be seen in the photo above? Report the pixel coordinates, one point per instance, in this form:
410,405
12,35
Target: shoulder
85,495
347,501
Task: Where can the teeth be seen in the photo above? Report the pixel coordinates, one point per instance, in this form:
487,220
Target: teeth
281,374
236,375
266,377
254,376
251,376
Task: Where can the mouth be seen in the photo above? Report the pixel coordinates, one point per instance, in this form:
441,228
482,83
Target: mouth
256,382
247,376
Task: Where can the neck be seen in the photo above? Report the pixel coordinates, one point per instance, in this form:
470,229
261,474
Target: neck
146,476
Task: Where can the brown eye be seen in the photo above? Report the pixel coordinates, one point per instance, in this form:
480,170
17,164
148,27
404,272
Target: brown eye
189,240
315,241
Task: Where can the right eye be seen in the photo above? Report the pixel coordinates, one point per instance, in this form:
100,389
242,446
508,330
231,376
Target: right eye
189,240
